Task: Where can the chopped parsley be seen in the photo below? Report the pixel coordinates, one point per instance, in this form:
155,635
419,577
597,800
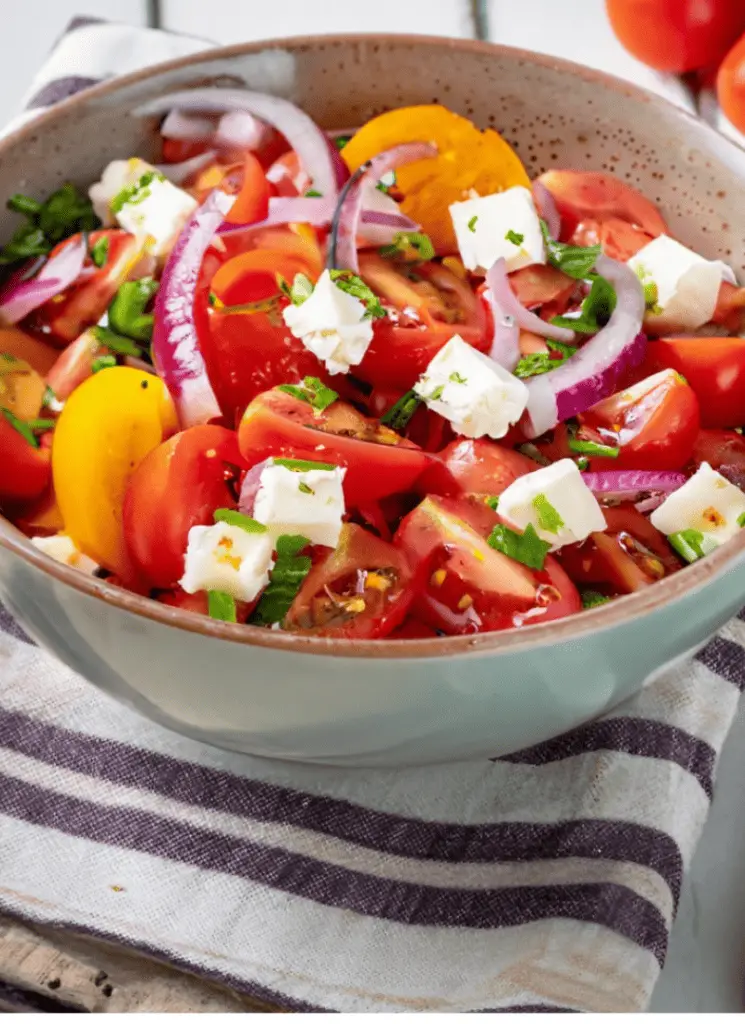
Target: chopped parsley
64,213
596,310
303,465
515,237
103,363
100,250
473,222
398,416
527,547
581,447
387,182
548,518
355,286
456,378
593,599
341,140
313,193
436,394
233,518
221,606
313,391
651,291
127,314
304,489
409,247
543,362
741,519
299,291
135,194
285,580
575,261
690,544
492,501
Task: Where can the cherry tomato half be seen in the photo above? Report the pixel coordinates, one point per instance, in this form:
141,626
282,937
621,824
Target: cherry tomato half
25,470
593,195
724,450
378,461
715,370
476,466
731,85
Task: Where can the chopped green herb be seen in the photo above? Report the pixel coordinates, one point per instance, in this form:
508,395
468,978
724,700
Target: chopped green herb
548,518
436,394
387,182
527,547
592,599
583,463
233,518
285,580
103,363
530,451
355,286
127,314
456,378
410,247
741,519
515,237
303,465
135,194
304,489
596,309
299,291
115,342
313,193
221,606
690,544
100,251
41,424
48,398
593,448
313,391
398,416
543,362
492,501
341,140
575,261
24,429
64,213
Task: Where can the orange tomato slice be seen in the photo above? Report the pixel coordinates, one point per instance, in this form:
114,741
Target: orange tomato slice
468,161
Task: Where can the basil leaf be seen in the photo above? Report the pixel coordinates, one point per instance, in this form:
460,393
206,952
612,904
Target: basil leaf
592,599
575,261
313,391
285,580
221,606
527,547
409,247
543,362
596,309
303,465
548,518
127,314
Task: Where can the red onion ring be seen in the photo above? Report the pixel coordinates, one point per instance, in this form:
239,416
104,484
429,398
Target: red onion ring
504,303
547,208
304,136
182,171
250,487
187,127
175,348
593,372
240,130
345,227
377,227
22,297
629,484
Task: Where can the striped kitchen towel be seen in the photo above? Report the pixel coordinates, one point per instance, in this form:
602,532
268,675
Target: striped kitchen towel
545,880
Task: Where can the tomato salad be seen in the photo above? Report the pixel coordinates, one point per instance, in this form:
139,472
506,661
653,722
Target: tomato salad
364,385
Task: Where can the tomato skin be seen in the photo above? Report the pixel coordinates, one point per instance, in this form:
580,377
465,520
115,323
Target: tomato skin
475,466
593,195
176,486
25,471
386,603
715,370
74,365
676,35
541,283
252,202
655,424
278,424
724,450
731,85
619,239
730,308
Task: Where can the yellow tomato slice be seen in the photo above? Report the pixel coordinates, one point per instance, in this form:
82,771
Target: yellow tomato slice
468,161
107,427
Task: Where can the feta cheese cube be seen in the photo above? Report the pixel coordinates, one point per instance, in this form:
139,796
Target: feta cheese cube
472,391
228,558
556,501
687,285
490,226
707,503
157,209
63,549
332,324
309,502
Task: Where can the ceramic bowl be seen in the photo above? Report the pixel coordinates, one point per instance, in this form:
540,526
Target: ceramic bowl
390,702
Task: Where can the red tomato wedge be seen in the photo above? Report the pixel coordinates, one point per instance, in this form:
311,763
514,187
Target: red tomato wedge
724,450
469,586
252,202
361,591
582,195
378,461
177,486
25,471
715,370
475,466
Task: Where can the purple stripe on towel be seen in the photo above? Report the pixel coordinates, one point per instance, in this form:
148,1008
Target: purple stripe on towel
9,625
725,658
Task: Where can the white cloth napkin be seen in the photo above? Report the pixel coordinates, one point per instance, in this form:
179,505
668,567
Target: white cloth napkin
545,880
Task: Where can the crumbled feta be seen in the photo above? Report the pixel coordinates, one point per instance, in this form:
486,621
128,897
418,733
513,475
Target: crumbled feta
686,285
708,503
158,210
332,324
556,501
309,502
491,226
472,391
63,549
228,558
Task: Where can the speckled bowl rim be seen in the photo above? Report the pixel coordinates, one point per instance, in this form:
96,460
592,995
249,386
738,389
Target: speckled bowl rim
621,611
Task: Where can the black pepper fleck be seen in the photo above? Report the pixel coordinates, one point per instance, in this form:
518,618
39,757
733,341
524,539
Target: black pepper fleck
107,990
54,983
100,978
143,385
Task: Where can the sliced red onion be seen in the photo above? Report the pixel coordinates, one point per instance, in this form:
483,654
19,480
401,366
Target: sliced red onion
240,130
187,127
547,208
346,223
631,484
504,303
304,136
21,298
250,487
175,348
381,217
181,172
319,212
593,372
505,346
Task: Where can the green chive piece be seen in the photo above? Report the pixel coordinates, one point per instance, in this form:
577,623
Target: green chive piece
605,451
41,424
398,416
135,194
527,547
221,606
115,342
472,222
24,429
304,465
127,314
103,363
593,599
515,237
690,544
548,518
355,286
100,251
229,515
409,247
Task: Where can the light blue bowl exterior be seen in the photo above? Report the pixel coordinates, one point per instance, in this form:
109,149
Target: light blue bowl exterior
485,699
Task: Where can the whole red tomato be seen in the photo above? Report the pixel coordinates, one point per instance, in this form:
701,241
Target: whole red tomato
731,85
677,35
